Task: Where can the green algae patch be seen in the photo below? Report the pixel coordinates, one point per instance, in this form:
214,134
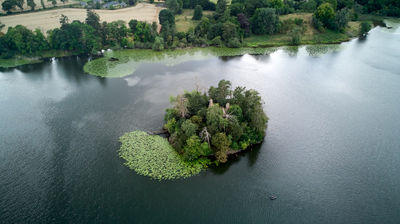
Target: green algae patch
15,62
153,156
121,63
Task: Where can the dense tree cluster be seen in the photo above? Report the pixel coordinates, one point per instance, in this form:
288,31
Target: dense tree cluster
212,123
326,16
78,37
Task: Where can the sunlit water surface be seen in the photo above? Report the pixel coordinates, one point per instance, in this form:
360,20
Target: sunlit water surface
331,155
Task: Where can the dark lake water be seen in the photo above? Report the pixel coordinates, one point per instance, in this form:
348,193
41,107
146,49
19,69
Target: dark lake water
331,155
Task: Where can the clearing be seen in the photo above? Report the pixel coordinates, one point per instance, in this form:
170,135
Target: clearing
46,20
184,21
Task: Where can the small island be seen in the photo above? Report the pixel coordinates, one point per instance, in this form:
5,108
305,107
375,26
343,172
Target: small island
203,129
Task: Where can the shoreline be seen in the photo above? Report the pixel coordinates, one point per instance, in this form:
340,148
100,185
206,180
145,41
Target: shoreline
24,60
252,42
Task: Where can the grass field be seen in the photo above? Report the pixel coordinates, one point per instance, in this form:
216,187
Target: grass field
310,36
184,21
49,19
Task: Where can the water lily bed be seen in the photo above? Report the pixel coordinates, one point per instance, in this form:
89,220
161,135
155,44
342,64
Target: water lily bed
125,62
153,156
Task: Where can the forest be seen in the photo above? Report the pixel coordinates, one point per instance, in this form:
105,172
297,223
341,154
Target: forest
227,26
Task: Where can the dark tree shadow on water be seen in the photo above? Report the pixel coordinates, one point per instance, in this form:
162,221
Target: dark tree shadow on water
251,153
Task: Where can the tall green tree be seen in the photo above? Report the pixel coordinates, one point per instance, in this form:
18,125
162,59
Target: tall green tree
132,24
32,4
8,5
93,19
221,143
193,148
342,18
264,21
198,13
165,16
20,4
326,14
24,41
221,93
174,6
221,7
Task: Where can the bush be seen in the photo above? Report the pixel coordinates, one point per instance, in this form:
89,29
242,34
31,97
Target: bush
233,43
158,44
295,36
317,24
365,27
342,18
216,41
298,21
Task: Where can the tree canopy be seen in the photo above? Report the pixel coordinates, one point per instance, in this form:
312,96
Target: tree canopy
212,123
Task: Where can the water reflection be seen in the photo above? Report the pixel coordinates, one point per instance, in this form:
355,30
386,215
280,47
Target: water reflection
331,148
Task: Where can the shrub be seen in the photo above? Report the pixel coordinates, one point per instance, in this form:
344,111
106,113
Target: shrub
365,27
295,36
233,43
158,44
216,41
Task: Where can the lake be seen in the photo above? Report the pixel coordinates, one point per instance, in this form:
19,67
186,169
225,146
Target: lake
331,154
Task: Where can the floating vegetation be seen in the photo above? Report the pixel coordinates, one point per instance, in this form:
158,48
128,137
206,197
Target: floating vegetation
14,62
317,50
129,60
153,156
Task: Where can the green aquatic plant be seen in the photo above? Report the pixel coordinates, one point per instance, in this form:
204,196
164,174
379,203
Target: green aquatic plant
153,156
129,60
317,50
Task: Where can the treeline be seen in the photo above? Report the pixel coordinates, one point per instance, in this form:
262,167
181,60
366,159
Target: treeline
78,37
227,26
11,5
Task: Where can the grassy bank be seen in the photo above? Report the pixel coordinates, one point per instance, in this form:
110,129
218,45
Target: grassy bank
14,62
23,60
125,62
309,36
129,60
